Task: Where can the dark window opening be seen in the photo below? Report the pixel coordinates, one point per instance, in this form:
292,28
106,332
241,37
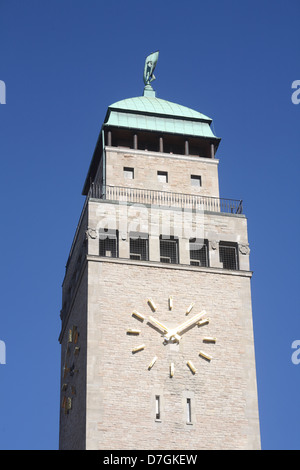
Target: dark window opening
228,255
108,243
196,181
198,252
169,250
162,176
139,248
148,141
128,173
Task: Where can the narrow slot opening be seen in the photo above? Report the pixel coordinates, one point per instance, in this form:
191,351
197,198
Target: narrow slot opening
188,411
157,407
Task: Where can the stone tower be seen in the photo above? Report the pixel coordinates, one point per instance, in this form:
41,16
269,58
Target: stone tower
157,338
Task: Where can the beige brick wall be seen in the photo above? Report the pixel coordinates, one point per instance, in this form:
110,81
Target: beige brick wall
121,390
73,424
146,165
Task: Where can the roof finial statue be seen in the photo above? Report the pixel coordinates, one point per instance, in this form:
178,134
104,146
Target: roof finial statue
150,64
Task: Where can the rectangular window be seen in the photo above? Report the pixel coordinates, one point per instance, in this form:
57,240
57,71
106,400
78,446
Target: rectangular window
196,181
157,407
198,252
139,247
162,176
188,411
228,255
108,243
169,250
128,173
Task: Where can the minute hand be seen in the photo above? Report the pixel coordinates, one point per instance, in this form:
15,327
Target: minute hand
184,325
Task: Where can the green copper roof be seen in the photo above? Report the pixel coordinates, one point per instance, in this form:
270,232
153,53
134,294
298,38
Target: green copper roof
154,114
158,106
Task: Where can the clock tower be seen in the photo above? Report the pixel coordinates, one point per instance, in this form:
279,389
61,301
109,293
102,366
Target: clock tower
157,337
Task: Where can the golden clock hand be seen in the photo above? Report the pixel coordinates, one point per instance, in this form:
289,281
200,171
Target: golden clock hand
190,322
174,332
158,324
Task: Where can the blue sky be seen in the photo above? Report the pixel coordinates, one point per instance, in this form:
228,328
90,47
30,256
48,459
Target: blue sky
64,62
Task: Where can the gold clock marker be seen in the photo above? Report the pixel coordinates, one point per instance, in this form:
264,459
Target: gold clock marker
152,362
138,348
189,309
205,321
138,315
152,304
206,356
192,367
70,337
209,339
131,331
172,369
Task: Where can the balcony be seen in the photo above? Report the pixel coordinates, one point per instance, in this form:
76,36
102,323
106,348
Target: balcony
165,198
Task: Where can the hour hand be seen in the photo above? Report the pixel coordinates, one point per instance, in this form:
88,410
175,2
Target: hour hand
159,325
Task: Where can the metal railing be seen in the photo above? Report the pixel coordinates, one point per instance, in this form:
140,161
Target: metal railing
165,198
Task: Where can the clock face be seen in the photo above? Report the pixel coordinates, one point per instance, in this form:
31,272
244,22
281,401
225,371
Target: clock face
70,370
170,334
